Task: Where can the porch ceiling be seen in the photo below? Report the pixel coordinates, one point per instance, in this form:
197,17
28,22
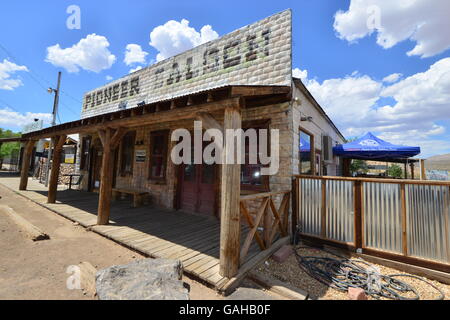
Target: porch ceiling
170,110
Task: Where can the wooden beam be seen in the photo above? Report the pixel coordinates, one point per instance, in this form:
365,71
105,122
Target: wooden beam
403,219
423,175
323,209
346,167
26,160
56,163
230,227
140,120
377,180
208,121
258,90
357,208
110,139
295,208
117,137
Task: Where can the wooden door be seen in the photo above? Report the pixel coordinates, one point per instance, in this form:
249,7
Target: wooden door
197,190
96,167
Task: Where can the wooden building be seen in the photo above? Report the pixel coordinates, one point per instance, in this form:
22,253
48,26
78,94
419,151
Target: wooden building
242,80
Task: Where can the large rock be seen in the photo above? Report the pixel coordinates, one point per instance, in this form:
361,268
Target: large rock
146,279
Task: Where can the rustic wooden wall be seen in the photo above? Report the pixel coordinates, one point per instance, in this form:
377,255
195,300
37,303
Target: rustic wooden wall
164,193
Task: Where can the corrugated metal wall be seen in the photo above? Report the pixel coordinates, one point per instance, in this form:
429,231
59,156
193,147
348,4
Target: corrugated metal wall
428,216
340,218
382,216
427,209
310,206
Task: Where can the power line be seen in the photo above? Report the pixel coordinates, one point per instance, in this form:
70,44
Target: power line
9,106
34,76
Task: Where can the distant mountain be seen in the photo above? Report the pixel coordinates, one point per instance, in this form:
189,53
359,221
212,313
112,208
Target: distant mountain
439,162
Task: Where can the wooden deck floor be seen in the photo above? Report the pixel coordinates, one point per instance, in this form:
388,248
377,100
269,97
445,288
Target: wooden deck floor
155,232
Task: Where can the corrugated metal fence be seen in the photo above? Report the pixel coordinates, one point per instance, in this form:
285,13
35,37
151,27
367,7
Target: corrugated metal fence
401,218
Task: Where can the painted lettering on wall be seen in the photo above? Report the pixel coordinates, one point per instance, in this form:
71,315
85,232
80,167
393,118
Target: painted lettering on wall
258,54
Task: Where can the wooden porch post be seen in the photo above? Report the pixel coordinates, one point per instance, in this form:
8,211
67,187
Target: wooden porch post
56,163
346,167
412,170
230,213
110,140
26,160
423,175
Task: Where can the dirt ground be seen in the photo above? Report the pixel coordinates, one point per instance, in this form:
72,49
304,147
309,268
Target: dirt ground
289,271
37,270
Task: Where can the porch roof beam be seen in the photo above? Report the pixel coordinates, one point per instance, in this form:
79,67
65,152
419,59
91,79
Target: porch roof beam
103,121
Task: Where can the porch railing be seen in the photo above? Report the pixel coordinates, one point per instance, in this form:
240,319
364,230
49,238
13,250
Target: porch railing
266,221
404,220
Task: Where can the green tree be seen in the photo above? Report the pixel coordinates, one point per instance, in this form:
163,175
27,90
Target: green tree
395,171
8,147
358,166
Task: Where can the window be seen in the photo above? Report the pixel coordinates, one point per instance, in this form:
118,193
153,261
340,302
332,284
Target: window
158,154
251,178
306,149
127,153
85,146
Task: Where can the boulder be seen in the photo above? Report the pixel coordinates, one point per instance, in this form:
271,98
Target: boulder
146,279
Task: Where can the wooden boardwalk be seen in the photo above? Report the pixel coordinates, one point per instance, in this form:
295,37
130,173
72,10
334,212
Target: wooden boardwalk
154,232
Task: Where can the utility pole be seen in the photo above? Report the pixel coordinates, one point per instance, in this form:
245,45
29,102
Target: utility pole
55,110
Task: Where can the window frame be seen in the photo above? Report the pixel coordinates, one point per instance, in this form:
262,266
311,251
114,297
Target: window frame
265,182
312,152
85,152
122,170
165,135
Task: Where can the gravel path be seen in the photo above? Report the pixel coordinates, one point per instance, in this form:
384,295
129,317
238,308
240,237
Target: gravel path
290,272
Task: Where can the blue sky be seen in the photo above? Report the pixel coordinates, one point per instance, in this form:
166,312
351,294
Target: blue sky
341,62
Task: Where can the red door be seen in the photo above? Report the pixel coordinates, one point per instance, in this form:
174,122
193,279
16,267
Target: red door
197,191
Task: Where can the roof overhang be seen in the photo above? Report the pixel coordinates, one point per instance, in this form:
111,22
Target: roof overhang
180,108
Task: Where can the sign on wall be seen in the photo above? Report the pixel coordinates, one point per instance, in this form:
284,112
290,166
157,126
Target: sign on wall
69,158
140,155
258,54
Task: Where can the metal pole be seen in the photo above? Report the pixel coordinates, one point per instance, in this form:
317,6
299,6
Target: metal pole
55,110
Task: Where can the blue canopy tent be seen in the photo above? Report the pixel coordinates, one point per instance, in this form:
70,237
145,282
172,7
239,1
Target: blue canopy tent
370,147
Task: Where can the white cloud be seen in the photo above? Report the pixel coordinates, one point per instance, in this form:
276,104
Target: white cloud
348,99
15,119
300,74
135,69
109,78
392,78
90,53
420,103
175,37
134,54
8,68
425,23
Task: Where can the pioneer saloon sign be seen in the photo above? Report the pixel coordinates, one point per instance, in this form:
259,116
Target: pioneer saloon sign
258,54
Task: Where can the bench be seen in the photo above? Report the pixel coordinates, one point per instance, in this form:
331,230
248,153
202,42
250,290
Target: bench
138,196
